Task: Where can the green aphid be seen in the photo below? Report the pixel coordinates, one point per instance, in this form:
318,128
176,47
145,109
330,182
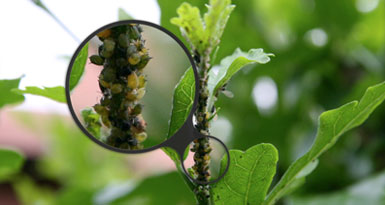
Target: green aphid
132,81
121,62
106,54
131,50
109,45
137,109
134,59
141,137
143,62
116,88
97,60
123,40
109,75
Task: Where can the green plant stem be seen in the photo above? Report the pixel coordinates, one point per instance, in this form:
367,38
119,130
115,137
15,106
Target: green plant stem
202,147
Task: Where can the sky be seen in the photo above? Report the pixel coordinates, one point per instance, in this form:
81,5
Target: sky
34,45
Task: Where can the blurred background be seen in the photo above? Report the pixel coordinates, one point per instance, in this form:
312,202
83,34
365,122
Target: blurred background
327,53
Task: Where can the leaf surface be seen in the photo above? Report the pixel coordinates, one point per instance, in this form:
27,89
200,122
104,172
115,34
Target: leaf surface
230,65
78,67
332,124
7,96
54,93
10,163
249,176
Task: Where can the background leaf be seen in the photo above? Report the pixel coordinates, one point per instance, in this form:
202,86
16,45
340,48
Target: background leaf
368,191
10,163
9,97
249,176
230,66
153,191
54,93
123,15
78,67
332,124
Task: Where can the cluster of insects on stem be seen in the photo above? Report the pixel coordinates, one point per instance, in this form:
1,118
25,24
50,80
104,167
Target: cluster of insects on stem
123,84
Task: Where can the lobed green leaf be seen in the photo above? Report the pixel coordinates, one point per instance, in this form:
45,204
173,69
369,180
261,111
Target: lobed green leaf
54,93
332,124
249,176
9,97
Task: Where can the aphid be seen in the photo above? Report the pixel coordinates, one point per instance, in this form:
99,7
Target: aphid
132,81
104,34
134,58
137,109
131,96
141,92
121,62
141,137
97,60
131,50
116,88
142,81
123,40
109,45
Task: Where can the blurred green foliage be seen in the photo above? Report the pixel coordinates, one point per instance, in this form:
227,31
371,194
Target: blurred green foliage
327,53
310,78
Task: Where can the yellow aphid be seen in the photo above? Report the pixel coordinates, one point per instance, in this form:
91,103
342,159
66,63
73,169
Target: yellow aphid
104,84
141,137
116,88
132,81
131,96
134,59
142,81
144,50
104,34
206,157
105,121
141,92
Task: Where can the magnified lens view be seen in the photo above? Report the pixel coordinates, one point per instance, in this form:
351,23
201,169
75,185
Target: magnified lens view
206,163
125,97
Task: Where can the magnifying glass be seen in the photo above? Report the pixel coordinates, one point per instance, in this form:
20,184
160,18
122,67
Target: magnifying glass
124,98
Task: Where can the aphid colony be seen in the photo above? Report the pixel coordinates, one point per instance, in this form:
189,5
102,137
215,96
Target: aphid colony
122,83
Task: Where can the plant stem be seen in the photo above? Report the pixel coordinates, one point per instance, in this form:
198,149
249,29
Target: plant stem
202,147
122,83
